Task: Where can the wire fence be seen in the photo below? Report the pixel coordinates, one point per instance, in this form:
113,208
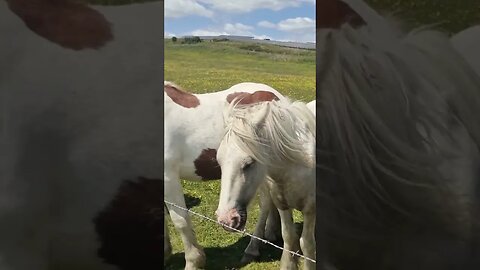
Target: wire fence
244,232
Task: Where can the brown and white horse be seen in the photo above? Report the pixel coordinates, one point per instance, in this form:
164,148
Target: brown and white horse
194,127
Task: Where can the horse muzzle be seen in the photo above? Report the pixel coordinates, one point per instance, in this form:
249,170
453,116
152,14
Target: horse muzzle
234,218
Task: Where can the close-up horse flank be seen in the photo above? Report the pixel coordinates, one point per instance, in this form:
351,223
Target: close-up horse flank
80,112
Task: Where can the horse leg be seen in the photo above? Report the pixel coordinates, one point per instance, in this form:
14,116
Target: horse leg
167,246
253,249
290,241
273,227
194,255
307,240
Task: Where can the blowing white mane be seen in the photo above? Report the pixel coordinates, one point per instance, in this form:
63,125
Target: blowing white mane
273,132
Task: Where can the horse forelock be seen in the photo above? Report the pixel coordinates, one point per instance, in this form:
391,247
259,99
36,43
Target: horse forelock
282,136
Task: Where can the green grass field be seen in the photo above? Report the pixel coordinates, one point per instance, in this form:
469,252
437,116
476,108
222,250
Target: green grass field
213,66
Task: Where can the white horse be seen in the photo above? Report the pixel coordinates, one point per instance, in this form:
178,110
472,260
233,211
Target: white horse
274,138
252,250
399,150
193,130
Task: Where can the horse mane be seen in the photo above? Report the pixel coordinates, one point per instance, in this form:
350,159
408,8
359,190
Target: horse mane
286,132
380,101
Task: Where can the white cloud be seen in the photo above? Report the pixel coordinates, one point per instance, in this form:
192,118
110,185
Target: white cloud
169,35
250,5
228,29
299,24
205,8
302,24
300,29
238,29
182,8
267,24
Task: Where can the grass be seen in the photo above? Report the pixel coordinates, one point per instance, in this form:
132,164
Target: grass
213,66
452,15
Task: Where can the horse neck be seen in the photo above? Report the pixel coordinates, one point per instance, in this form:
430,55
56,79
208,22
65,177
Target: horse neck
293,178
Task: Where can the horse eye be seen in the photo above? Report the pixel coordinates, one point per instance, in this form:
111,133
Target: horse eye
248,165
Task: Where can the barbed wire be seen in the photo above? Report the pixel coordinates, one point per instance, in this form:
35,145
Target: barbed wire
244,232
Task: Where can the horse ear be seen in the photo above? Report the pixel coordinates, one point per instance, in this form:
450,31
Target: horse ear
261,115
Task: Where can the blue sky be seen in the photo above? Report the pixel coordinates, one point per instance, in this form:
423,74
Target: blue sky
285,20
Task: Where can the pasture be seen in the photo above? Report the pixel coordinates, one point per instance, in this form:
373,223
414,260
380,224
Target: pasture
212,66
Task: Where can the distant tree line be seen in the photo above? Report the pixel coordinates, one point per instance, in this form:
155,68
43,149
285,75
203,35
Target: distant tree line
188,40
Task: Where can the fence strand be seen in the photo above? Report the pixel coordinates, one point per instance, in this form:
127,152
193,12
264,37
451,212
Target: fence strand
244,232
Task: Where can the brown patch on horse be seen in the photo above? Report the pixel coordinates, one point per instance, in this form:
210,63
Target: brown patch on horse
256,97
206,165
67,23
182,98
335,13
130,227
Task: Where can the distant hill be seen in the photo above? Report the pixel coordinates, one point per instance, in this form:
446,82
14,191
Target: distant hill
290,44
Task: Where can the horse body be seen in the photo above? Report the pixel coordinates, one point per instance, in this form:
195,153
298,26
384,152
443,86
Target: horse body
276,139
193,131
189,131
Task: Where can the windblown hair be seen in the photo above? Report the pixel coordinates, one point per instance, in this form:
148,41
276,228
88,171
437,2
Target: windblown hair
381,100
286,134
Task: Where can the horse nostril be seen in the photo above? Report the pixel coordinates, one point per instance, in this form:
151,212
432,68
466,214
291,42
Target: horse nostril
235,222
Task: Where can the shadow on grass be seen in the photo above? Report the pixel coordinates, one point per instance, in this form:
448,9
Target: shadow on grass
223,258
191,201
